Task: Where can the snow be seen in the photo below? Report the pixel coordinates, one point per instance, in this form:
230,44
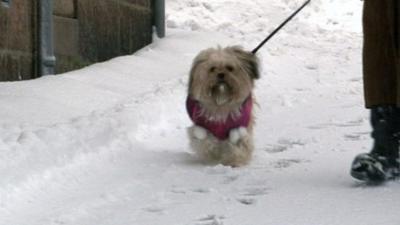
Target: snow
107,145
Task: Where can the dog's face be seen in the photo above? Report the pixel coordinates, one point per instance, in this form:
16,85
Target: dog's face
223,76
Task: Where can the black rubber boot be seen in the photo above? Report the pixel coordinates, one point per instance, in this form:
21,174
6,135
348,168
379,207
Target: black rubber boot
382,163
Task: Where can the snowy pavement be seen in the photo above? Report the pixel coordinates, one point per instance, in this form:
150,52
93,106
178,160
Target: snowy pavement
107,145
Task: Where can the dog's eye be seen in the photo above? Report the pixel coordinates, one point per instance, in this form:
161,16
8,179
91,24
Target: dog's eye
230,68
212,69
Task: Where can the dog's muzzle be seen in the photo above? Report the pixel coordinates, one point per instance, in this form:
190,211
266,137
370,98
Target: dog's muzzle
221,92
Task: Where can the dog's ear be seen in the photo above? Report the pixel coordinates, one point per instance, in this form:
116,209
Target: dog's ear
199,59
249,60
191,74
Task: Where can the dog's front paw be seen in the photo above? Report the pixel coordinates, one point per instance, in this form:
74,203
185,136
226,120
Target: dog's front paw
236,134
199,132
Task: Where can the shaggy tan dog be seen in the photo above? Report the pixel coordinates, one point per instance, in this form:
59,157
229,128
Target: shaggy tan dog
220,104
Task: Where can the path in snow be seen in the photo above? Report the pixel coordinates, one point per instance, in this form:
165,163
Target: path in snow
106,145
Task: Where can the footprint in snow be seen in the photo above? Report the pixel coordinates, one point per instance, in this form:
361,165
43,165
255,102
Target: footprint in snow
154,209
356,136
202,190
284,145
211,220
249,195
247,201
312,67
285,163
230,178
351,123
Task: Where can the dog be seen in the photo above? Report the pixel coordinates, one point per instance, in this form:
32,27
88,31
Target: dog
220,104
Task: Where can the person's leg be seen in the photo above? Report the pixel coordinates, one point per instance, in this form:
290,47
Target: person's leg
382,163
380,89
379,54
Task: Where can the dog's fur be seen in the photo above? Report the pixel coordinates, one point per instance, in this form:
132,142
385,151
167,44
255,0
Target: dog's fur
221,79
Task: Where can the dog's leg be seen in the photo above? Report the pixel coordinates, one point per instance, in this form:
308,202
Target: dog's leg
199,132
236,134
204,144
239,148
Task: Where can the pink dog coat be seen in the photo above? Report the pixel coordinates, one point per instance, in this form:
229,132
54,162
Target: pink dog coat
217,128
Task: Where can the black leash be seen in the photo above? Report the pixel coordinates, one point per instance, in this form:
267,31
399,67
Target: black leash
280,27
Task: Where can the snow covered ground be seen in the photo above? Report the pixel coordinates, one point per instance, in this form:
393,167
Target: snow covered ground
106,145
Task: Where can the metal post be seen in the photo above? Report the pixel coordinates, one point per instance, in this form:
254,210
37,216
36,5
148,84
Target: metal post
6,3
46,42
159,17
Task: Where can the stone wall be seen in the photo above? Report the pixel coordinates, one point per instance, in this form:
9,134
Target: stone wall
66,36
17,40
85,31
113,27
88,31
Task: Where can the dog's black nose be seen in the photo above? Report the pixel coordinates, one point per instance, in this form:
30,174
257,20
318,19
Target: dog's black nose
221,76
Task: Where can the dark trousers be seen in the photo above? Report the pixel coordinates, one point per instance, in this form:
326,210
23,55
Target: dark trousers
381,52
